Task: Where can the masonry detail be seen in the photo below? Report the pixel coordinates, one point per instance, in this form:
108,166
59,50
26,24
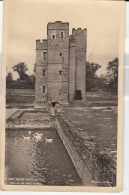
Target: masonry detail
60,64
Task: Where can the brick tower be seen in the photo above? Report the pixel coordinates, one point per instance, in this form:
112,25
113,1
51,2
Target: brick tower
58,60
60,64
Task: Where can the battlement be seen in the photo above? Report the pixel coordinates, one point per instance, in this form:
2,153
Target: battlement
79,32
58,25
72,41
41,44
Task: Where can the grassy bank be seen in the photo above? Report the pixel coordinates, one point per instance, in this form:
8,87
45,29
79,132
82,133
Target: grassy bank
101,165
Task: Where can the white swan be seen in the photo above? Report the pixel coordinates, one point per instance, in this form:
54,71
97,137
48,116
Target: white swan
25,137
15,140
29,132
38,137
48,140
39,134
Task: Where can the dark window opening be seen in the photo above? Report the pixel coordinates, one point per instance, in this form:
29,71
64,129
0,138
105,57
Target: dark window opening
62,35
78,95
60,72
44,55
55,103
44,72
60,54
53,36
43,89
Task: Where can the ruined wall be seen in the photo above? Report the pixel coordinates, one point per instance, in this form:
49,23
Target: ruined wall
80,38
41,65
58,51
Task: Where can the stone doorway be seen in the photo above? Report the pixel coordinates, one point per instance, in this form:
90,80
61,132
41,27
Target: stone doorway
78,95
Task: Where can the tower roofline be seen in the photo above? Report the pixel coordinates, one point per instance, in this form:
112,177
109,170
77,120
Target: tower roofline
79,32
58,25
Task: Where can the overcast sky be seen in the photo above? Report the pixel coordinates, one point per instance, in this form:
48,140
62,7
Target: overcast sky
27,21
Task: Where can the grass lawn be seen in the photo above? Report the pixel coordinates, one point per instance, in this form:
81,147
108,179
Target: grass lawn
100,123
97,118
101,96
20,91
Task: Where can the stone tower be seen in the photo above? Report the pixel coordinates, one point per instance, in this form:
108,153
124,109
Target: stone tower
80,39
58,60
60,64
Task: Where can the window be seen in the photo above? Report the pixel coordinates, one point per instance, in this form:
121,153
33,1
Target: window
44,55
62,35
44,72
60,72
60,54
53,35
43,89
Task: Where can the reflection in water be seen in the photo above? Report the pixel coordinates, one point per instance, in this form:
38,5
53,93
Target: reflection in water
41,162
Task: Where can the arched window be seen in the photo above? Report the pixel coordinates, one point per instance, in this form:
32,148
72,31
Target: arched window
44,55
60,72
44,72
53,35
62,35
43,89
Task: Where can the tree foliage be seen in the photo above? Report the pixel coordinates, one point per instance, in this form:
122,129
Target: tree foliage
112,74
21,68
91,77
9,80
24,81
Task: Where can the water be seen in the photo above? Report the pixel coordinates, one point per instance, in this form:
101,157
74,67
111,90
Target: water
29,162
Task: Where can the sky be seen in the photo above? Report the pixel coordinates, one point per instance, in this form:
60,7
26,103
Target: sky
27,21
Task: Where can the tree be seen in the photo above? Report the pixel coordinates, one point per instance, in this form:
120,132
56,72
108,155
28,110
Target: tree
9,80
112,74
91,76
21,68
102,82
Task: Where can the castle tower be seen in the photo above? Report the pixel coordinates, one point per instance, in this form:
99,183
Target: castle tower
80,77
72,68
60,65
58,60
41,73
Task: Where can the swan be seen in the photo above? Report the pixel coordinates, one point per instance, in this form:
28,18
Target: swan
39,134
25,137
37,137
16,140
48,140
29,132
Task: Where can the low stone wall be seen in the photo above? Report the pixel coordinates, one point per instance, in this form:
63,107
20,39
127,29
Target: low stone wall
95,168
16,121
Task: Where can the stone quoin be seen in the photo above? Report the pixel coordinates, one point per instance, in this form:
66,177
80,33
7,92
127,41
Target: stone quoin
60,64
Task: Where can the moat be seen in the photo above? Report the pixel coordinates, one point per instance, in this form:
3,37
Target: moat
77,154
38,162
